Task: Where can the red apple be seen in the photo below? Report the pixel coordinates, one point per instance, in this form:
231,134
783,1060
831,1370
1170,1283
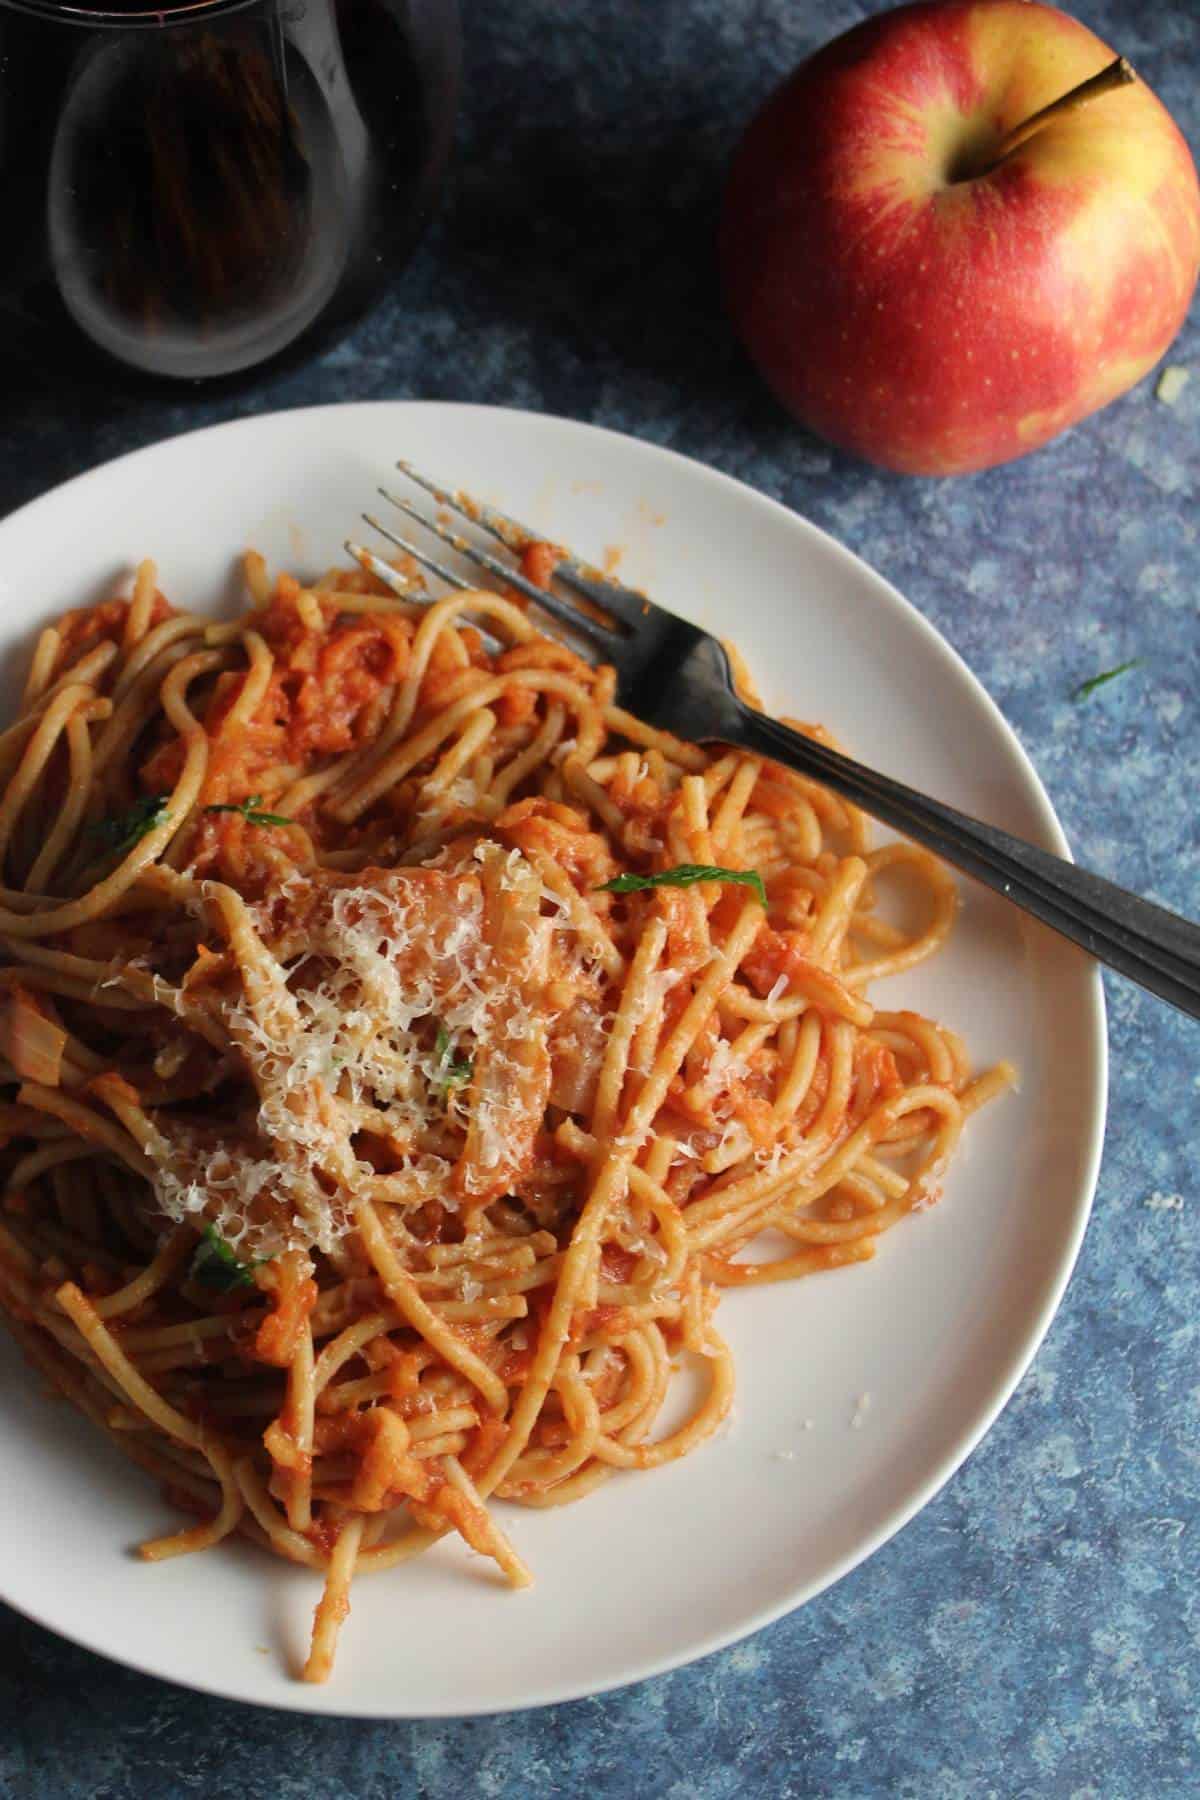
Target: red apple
921,291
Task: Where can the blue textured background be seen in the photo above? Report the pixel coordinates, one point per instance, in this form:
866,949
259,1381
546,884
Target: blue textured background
1035,1631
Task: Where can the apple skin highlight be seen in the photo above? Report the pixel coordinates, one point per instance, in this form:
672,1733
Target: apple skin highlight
921,309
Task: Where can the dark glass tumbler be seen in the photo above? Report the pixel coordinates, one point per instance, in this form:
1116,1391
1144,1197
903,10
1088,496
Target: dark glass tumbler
199,186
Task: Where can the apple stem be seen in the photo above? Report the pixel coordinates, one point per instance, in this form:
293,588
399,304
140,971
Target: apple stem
1119,73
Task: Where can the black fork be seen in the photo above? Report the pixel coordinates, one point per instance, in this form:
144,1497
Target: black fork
678,678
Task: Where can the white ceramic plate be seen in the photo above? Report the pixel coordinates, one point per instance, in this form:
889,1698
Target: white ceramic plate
658,1568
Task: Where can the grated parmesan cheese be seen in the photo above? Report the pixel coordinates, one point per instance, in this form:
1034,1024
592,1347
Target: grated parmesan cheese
344,1036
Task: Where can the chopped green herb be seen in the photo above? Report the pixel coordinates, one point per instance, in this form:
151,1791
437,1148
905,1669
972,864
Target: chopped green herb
249,811
143,817
451,1071
684,876
1089,687
215,1265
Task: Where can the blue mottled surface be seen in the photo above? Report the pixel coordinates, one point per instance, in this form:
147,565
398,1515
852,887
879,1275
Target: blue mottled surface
1035,1632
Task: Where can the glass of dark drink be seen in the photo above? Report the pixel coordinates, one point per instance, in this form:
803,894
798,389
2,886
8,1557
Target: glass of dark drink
202,185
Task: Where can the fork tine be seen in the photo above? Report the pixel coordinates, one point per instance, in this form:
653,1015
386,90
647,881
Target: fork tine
622,602
560,609
428,562
367,559
414,550
375,565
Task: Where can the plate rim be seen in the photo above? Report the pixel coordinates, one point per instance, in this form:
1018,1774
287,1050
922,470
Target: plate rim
1051,836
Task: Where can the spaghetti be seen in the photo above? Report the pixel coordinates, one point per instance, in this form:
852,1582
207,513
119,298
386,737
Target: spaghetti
400,1061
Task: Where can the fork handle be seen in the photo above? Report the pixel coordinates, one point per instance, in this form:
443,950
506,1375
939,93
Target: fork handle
1152,946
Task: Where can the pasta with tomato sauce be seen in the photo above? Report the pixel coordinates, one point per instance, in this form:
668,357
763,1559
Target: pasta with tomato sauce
402,1047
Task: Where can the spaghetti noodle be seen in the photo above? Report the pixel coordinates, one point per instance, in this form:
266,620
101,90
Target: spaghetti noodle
400,1061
